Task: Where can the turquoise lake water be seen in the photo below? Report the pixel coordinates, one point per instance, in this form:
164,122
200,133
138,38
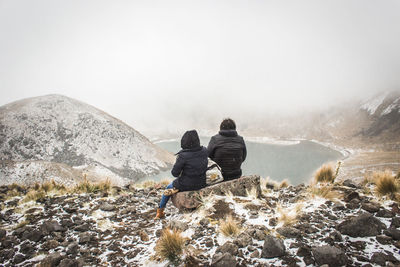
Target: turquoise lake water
296,162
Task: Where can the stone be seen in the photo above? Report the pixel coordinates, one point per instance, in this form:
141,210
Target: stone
255,254
259,235
371,207
395,222
238,187
383,239
228,247
393,233
27,248
273,247
19,258
329,255
360,226
33,235
51,226
72,248
223,260
107,207
289,232
350,183
178,225
69,263
82,227
3,233
304,251
384,213
52,260
85,238
353,195
243,240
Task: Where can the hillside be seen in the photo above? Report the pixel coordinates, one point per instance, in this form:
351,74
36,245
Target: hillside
41,135
341,224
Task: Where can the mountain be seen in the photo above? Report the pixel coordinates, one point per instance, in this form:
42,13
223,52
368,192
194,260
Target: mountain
62,138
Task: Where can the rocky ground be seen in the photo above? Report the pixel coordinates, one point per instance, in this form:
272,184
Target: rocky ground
291,226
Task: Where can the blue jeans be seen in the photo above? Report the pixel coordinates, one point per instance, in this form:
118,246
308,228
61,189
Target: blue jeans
164,199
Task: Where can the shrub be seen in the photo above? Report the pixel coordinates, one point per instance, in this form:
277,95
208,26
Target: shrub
285,183
229,227
34,195
289,216
324,174
386,184
170,245
325,191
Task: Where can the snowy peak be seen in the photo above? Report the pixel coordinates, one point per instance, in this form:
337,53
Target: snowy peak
382,104
59,129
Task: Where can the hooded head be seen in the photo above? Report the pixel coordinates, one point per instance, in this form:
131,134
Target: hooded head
190,140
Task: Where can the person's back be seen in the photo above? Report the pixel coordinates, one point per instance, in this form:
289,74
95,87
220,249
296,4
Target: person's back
228,150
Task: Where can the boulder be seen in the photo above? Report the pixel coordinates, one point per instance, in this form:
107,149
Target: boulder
51,226
289,232
52,260
223,260
329,255
228,247
273,247
362,225
371,207
238,187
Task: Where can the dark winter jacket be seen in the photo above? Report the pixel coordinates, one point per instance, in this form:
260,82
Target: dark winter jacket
191,164
228,150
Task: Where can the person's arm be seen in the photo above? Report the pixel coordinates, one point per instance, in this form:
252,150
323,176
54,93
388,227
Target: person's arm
244,151
178,166
211,148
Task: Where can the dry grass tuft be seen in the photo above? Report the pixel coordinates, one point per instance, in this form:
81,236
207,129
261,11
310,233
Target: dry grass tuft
289,216
229,227
398,175
87,187
324,174
22,224
285,183
252,194
34,195
386,184
165,182
170,245
324,191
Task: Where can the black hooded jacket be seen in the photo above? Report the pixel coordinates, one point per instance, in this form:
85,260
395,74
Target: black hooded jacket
191,164
228,150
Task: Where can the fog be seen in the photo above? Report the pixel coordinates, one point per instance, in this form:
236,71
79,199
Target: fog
164,65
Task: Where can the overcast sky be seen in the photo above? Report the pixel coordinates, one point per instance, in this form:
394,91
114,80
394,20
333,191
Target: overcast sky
147,62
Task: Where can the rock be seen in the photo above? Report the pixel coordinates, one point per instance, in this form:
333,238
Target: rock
107,207
18,258
362,225
393,233
243,240
69,263
85,238
51,226
6,254
223,260
144,236
329,255
82,227
52,260
383,239
273,247
178,225
381,258
350,183
3,233
33,235
289,232
353,195
395,222
384,213
27,248
228,247
304,251
72,248
255,254
371,207
238,187
259,235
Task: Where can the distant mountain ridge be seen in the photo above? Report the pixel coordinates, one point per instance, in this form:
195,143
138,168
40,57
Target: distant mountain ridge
58,129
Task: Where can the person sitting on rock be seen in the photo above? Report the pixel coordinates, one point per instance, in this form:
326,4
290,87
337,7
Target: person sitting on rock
228,150
190,169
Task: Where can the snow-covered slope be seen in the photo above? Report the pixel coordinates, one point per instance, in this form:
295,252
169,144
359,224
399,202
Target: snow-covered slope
59,129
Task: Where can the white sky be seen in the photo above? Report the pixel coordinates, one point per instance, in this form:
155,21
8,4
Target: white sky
165,62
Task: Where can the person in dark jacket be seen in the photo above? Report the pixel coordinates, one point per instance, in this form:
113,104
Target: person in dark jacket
228,150
190,169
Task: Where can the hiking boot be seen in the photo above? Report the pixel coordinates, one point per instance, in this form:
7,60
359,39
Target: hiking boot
170,192
160,214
